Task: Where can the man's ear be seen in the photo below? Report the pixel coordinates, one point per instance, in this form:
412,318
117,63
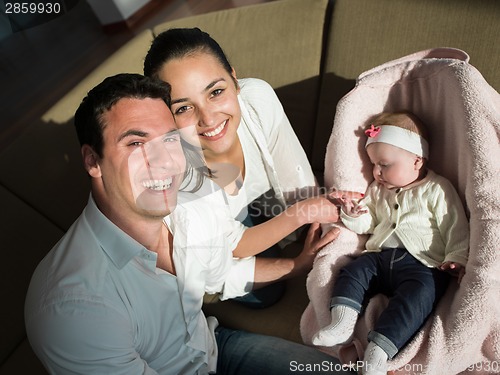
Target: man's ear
91,161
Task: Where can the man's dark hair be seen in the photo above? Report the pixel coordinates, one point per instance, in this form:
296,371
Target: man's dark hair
89,121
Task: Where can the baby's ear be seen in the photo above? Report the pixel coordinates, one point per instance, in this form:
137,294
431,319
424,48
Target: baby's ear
419,163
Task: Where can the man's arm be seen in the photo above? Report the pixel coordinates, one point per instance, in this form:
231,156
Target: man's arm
81,336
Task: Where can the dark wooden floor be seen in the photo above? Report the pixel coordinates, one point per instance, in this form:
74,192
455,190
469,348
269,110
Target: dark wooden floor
39,65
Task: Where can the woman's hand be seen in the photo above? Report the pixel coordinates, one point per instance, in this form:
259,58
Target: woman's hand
337,194
312,245
320,209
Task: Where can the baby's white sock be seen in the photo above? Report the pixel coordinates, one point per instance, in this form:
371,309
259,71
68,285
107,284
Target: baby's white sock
375,360
340,329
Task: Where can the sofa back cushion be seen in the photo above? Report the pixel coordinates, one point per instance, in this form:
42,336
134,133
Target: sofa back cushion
26,238
367,33
279,42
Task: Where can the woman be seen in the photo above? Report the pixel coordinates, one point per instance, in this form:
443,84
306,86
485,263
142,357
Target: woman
248,143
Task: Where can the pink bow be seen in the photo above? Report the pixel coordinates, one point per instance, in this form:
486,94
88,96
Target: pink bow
373,131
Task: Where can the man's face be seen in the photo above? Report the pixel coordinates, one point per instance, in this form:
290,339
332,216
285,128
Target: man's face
143,163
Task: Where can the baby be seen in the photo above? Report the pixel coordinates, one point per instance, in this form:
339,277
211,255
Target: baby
418,230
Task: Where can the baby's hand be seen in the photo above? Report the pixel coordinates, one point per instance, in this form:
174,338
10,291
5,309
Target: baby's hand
455,269
351,207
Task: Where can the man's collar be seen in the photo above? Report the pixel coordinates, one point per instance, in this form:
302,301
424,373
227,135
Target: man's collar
117,244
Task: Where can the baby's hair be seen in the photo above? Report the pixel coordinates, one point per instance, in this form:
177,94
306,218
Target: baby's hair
402,119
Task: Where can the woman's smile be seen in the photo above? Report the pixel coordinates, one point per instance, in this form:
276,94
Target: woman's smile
216,133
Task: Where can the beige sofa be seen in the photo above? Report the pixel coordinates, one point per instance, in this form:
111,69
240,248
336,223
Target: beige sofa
310,51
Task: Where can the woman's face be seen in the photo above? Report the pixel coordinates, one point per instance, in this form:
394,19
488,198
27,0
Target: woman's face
205,95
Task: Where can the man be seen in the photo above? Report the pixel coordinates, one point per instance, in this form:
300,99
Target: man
121,292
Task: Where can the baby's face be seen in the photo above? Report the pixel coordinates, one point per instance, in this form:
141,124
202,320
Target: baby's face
393,167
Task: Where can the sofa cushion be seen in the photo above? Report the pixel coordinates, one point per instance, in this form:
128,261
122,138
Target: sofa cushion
44,168
23,361
26,237
279,42
128,59
366,33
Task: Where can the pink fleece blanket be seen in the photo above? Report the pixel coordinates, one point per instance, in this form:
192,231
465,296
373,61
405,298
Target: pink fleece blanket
462,113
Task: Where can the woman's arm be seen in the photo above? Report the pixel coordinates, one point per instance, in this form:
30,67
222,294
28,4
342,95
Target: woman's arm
280,145
261,237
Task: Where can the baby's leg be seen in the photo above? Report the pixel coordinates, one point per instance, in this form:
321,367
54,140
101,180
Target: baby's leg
348,295
340,330
416,291
374,361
